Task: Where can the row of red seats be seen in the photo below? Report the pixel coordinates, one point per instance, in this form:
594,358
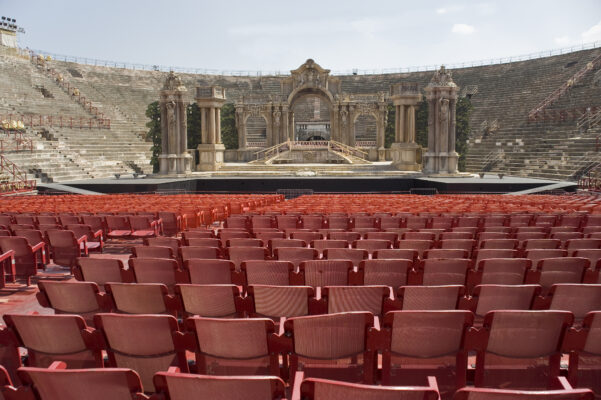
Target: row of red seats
339,272
385,220
58,383
514,349
227,300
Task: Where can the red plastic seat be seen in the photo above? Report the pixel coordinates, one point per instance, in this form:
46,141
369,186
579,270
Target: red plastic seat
332,346
429,297
370,298
413,348
324,272
446,253
396,254
393,273
520,349
241,254
59,383
151,270
551,271
536,255
25,257
241,346
207,272
98,270
578,299
276,302
486,298
354,255
81,298
419,245
471,393
189,252
95,240
447,271
215,301
138,298
152,252
582,342
179,386
268,272
143,226
144,343
50,338
118,226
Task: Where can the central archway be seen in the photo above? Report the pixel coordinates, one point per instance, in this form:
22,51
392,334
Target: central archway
311,115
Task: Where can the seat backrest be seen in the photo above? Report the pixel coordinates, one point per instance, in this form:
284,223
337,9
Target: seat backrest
503,271
180,386
372,245
575,244
267,272
313,222
98,270
504,297
330,337
244,242
529,244
215,301
326,272
536,255
207,271
499,244
447,271
348,236
415,244
153,270
446,253
471,393
532,362
430,297
295,255
279,301
387,272
117,222
578,299
396,254
245,340
240,254
593,255
323,389
307,237
355,298
354,255
76,384
50,338
138,298
69,297
202,252
562,270
152,252
415,336
143,343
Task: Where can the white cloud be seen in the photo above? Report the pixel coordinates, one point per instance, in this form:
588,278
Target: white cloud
441,10
593,34
463,29
562,41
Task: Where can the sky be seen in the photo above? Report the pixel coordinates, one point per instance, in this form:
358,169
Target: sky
261,35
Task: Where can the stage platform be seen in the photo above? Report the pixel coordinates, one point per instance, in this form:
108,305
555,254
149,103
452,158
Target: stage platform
400,183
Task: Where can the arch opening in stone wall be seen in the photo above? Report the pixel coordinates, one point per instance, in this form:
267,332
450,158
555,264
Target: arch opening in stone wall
311,115
365,129
256,131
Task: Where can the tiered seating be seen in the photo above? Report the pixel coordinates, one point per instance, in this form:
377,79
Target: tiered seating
341,317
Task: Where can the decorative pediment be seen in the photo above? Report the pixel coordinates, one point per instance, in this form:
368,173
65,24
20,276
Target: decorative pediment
310,74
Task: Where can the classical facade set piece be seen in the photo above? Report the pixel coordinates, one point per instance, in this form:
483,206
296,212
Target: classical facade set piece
311,79
441,94
344,110
175,158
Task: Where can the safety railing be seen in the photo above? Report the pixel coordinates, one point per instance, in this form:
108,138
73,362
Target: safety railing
560,91
56,121
590,119
354,71
18,181
271,151
347,150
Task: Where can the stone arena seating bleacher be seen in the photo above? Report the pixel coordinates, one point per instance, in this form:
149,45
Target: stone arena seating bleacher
319,297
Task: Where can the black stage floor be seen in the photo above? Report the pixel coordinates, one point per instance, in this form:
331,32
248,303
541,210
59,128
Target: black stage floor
321,184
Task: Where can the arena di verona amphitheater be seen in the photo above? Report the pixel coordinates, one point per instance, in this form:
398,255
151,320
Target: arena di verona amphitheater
418,235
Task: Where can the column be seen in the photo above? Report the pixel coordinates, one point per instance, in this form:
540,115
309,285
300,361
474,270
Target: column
410,135
284,123
452,133
402,125
431,137
218,117
211,136
204,137
242,132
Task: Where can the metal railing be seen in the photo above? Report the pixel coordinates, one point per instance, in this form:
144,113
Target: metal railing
396,70
347,150
272,151
13,140
590,119
18,181
57,121
560,91
491,159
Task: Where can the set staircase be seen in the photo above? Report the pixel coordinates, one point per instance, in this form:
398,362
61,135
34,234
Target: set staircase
278,153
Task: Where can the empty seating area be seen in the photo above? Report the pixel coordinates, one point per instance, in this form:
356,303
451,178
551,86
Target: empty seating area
320,297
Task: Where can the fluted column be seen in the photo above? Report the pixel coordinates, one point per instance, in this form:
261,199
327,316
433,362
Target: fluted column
211,125
218,133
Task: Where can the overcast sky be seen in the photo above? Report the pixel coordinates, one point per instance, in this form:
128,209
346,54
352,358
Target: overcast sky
281,35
